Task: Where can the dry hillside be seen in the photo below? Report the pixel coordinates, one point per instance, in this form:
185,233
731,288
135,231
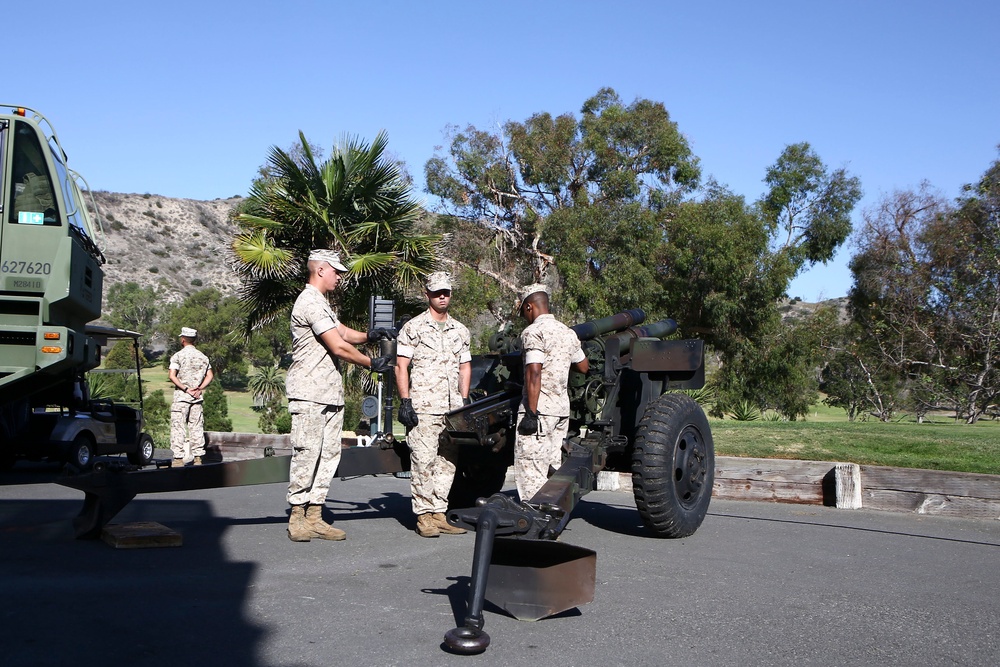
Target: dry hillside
178,245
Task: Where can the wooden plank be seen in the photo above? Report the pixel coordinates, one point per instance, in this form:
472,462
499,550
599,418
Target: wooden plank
773,491
140,535
733,467
775,480
930,503
940,482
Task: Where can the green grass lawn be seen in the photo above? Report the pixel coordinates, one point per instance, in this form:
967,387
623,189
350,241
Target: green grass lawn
938,446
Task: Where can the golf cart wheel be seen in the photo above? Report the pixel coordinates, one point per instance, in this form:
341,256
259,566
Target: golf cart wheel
673,466
81,452
143,454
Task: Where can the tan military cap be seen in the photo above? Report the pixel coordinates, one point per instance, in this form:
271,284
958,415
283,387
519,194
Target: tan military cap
188,332
531,289
438,280
328,256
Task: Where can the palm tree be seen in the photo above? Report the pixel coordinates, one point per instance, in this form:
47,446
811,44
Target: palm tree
267,385
357,202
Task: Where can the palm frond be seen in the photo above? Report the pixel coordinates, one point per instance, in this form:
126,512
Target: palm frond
257,256
265,300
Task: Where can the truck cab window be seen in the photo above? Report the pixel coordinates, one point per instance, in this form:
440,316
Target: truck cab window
32,189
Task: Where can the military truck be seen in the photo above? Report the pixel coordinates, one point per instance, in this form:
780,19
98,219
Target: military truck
51,284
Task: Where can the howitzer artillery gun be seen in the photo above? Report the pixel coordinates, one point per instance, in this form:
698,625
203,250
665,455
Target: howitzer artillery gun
624,420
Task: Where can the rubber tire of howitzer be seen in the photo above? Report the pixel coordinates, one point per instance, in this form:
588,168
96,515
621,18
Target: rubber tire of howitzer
144,452
673,466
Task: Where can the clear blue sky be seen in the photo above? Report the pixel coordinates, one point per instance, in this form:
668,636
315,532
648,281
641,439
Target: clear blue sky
183,99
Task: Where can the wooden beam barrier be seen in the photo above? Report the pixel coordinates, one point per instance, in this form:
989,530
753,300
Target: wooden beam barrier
778,480
937,492
221,446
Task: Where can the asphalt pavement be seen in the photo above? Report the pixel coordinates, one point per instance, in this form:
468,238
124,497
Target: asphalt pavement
758,584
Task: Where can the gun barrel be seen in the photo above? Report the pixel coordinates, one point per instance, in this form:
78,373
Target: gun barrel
595,328
654,330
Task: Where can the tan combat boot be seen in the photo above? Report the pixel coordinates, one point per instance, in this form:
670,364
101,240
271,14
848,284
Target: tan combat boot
197,460
298,531
426,526
177,463
320,528
444,527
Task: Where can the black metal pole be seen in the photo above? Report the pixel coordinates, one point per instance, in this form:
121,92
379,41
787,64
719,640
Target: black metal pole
470,638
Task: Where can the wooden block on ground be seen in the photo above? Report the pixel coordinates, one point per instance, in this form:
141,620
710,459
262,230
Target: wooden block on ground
777,480
140,535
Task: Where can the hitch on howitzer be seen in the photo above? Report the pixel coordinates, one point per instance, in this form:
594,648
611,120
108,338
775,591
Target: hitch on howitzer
622,419
516,563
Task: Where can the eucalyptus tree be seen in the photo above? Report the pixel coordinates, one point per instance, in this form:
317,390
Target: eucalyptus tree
607,208
133,307
809,205
927,289
594,175
356,202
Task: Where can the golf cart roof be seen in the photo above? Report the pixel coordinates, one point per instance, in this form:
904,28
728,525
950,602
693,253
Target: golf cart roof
104,334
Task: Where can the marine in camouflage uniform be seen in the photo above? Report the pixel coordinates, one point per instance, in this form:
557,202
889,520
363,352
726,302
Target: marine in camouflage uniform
315,392
190,373
549,349
433,374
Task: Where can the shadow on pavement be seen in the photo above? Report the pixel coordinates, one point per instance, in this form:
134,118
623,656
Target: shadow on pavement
621,520
395,505
82,602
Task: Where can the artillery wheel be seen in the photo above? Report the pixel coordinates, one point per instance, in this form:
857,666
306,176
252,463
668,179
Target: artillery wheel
673,466
143,454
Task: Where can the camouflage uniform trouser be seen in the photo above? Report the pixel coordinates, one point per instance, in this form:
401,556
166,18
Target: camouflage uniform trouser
535,454
316,430
187,430
432,464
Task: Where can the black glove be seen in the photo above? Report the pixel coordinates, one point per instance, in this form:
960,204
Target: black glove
382,333
407,417
466,400
529,423
382,364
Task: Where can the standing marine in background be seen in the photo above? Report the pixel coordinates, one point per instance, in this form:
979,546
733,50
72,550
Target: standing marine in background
549,349
315,391
190,373
433,374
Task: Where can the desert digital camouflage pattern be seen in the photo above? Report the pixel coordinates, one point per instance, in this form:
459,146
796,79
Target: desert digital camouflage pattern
314,374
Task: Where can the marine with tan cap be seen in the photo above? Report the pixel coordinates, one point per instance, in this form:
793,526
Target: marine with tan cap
315,391
549,349
190,373
433,374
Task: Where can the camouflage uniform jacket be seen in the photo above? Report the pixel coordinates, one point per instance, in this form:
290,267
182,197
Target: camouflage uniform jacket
435,353
555,346
191,366
315,373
